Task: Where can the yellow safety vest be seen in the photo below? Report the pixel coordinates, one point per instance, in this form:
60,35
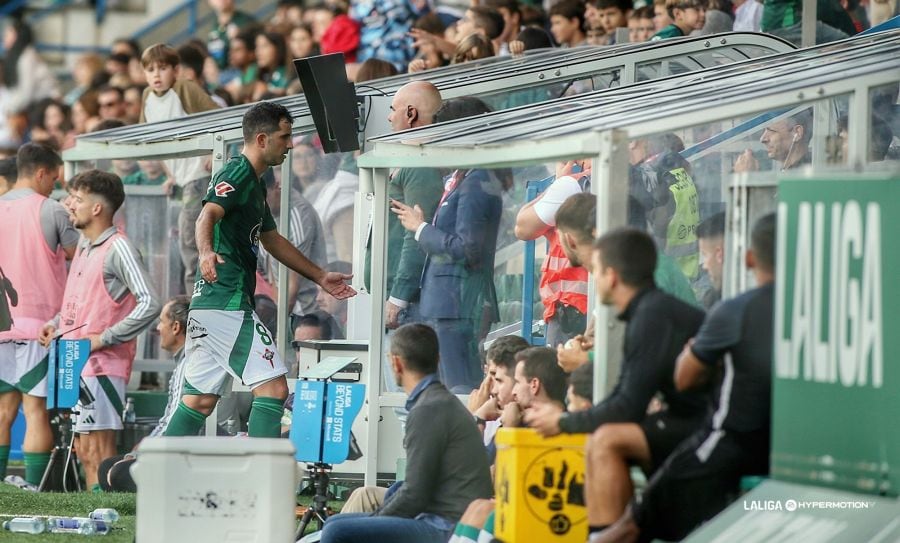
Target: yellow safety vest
681,236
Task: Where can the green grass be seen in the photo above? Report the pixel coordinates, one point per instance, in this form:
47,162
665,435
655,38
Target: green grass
16,502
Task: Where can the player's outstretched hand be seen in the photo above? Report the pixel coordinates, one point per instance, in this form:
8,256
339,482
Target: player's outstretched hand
335,284
208,262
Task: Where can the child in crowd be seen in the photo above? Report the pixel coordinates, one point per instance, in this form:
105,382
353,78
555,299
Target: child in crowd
271,57
566,22
640,25
242,58
686,15
168,97
150,172
612,14
661,17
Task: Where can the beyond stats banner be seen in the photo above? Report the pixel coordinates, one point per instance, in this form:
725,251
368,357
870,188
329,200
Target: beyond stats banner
836,396
66,360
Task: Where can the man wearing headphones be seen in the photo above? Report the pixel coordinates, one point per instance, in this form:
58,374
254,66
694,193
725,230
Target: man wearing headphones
413,105
786,140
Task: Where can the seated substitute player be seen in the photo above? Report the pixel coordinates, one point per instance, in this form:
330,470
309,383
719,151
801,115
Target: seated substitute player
623,433
225,336
701,476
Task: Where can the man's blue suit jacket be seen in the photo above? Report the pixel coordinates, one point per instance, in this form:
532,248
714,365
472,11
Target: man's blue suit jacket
460,247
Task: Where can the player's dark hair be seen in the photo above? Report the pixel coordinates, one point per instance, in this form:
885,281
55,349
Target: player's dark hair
762,240
489,20
540,363
417,345
535,38
712,227
104,184
582,381
9,170
317,320
32,156
622,5
631,252
460,108
578,215
570,9
511,5
503,351
263,118
178,310
192,57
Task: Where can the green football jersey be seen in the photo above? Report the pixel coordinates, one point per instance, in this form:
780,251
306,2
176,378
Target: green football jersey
235,238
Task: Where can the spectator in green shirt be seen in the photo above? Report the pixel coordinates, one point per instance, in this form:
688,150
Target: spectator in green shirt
229,22
687,16
150,172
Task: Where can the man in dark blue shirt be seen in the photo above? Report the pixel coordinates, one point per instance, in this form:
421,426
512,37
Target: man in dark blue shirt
696,481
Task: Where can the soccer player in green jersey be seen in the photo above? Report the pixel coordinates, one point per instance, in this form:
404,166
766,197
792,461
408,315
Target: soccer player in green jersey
224,335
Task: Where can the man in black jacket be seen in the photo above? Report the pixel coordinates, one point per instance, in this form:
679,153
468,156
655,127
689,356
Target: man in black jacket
623,433
702,476
446,463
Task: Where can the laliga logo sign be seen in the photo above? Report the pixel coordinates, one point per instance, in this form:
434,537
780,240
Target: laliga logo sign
834,332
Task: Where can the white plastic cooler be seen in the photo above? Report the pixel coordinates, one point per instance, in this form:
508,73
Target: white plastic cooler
215,490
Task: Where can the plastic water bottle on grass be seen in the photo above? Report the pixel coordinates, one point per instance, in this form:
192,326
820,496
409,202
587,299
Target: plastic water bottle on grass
25,525
65,525
100,527
110,516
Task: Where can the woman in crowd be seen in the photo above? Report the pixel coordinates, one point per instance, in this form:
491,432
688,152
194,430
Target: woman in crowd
26,75
271,57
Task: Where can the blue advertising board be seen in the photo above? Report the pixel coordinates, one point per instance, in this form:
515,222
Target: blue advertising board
66,360
322,418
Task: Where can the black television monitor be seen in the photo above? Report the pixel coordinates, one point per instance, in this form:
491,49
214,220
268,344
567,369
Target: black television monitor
331,99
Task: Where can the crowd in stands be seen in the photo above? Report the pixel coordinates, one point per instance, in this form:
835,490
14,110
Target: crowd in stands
244,60
691,405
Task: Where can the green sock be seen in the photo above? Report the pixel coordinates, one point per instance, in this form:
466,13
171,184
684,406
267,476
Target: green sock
96,488
265,417
185,421
4,458
35,466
